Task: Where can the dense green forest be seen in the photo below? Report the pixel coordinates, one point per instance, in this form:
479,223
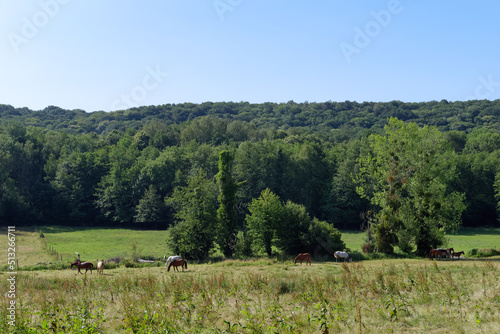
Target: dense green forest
333,121
129,167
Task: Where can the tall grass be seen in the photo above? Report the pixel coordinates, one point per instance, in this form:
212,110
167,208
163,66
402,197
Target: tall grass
273,297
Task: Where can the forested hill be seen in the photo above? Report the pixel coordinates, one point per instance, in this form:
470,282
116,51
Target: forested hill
126,167
351,117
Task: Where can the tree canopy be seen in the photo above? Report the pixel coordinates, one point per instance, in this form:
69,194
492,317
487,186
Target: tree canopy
407,174
432,169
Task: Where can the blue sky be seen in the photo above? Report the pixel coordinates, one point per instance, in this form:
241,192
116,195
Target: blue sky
109,55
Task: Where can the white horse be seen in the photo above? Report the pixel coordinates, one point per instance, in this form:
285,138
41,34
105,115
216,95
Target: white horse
343,255
171,258
100,267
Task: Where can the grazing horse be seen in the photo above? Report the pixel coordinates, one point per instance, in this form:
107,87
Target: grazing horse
343,255
177,263
457,254
303,257
85,265
439,252
100,267
171,258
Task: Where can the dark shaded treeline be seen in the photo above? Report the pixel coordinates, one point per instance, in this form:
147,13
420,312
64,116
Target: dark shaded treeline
71,167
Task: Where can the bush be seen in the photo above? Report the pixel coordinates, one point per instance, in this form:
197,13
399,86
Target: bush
368,247
110,265
384,239
243,245
322,240
129,263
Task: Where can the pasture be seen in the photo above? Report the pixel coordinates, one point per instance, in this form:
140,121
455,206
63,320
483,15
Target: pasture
464,240
99,243
252,296
265,296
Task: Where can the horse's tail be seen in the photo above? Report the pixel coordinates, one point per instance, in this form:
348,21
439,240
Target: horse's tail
185,264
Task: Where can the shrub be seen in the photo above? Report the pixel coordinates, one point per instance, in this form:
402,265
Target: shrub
322,239
129,263
367,247
110,265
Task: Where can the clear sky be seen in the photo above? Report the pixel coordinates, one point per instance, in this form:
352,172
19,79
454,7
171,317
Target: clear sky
115,54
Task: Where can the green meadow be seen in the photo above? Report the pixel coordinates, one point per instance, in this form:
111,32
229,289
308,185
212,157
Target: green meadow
464,240
246,296
262,296
94,244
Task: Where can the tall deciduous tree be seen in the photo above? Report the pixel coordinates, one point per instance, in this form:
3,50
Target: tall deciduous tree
408,175
194,234
266,213
227,214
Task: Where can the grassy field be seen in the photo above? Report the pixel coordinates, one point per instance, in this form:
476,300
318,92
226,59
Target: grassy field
95,244
105,243
264,296
465,240
252,296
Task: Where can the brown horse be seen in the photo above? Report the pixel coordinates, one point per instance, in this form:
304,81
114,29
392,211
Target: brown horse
176,263
84,265
439,252
303,257
457,254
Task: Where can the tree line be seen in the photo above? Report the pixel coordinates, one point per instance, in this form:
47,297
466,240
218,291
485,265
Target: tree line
152,172
335,121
